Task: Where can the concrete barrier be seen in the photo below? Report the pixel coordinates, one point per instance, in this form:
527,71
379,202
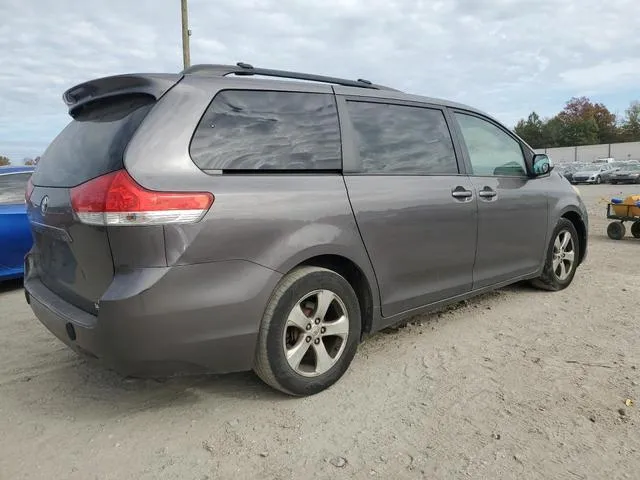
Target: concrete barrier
589,153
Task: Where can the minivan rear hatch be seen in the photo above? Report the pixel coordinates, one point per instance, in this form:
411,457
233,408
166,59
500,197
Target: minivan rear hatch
71,258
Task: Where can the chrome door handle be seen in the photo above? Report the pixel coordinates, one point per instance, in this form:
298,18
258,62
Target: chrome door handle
487,193
461,193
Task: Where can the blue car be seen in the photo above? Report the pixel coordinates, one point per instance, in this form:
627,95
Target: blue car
15,235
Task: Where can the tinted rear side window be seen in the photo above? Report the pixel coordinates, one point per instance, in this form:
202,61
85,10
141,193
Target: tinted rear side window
93,143
401,139
261,130
12,187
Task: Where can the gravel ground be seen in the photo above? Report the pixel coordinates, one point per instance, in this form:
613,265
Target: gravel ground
514,384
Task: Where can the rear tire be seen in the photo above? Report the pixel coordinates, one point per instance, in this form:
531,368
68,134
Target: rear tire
635,229
616,230
298,336
613,182
563,255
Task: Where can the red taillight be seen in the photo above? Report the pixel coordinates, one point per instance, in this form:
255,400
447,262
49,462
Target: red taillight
28,190
116,199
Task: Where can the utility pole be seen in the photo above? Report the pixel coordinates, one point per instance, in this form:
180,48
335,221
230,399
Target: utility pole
186,55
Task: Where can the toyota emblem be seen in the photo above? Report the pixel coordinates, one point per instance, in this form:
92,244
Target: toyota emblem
44,204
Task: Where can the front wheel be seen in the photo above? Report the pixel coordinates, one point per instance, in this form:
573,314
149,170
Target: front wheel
613,182
309,333
635,229
563,255
598,180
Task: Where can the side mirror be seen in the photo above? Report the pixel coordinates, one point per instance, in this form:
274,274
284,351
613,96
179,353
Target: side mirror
541,164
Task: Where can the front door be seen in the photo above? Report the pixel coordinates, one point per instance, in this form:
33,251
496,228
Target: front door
415,210
512,207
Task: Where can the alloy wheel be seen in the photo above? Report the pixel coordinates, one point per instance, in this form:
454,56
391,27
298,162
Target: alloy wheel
564,255
315,335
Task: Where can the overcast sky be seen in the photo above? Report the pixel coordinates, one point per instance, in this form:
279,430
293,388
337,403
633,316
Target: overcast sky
507,57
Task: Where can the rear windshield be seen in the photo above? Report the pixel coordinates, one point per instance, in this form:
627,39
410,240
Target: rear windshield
93,143
261,130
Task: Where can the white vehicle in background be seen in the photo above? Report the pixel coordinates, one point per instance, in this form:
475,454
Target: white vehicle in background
604,160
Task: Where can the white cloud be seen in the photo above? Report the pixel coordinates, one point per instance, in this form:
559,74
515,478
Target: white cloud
604,76
504,56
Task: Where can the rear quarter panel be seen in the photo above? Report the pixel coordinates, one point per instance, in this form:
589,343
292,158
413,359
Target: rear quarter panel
277,221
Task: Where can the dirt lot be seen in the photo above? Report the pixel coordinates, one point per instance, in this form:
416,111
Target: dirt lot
515,384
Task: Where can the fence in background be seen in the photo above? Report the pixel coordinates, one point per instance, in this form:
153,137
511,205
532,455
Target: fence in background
589,153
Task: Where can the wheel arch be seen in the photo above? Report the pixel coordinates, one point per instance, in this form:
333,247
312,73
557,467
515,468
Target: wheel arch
364,286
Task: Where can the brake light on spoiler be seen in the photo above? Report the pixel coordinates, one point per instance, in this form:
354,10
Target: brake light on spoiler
117,199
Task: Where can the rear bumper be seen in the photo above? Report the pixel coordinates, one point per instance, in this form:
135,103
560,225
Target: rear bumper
166,321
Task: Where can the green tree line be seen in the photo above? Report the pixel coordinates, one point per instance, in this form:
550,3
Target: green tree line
581,122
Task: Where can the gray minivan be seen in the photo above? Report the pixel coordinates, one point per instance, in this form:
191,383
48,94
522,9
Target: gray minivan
226,219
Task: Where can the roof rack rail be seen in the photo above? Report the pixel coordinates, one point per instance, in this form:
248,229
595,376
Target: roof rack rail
245,69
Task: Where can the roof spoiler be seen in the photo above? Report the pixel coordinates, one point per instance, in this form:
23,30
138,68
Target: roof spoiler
155,85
